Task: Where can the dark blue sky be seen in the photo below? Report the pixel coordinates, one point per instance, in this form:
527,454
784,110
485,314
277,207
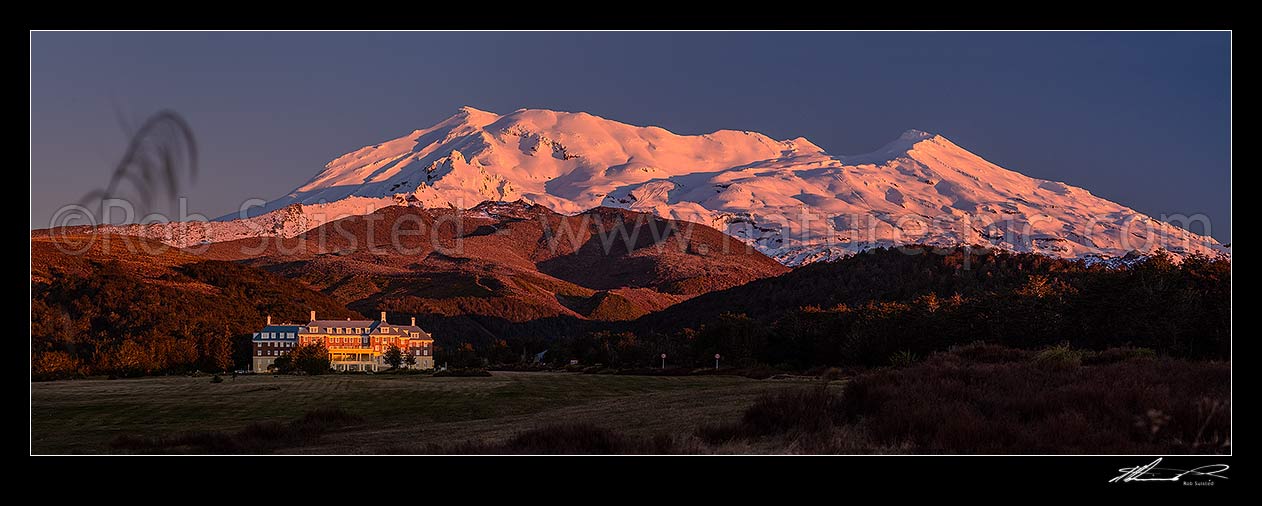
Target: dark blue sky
1139,118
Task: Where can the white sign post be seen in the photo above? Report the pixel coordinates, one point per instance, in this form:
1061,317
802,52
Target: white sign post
663,361
716,361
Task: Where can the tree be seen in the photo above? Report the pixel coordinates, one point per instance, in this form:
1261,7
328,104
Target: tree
409,359
393,356
129,359
311,358
218,353
283,364
54,365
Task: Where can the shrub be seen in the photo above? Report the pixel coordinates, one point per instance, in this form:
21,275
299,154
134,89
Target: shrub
794,410
1159,406
257,437
454,373
1059,358
216,379
323,419
1122,354
903,358
986,353
831,374
566,439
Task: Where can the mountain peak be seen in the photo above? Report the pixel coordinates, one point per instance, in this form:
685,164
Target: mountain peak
901,146
471,116
465,109
916,135
919,188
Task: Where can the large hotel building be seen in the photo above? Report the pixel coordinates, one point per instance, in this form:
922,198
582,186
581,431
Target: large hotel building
354,345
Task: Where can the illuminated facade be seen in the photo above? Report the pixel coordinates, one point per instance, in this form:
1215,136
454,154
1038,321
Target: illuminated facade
354,345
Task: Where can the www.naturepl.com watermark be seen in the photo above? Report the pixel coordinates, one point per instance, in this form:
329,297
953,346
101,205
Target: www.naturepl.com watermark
256,230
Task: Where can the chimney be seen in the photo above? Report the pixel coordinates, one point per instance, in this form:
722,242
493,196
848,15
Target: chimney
312,315
269,319
413,321
383,317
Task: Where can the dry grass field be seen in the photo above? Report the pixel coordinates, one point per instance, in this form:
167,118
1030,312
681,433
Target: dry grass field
980,399
398,414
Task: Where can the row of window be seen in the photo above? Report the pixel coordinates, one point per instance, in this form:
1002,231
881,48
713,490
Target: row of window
281,345
355,340
414,351
351,330
277,353
276,335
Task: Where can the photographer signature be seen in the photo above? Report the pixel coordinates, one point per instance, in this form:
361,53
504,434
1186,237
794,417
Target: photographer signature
1151,472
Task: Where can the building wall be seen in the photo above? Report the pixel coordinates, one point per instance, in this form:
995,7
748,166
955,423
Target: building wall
260,363
349,351
375,347
425,362
266,352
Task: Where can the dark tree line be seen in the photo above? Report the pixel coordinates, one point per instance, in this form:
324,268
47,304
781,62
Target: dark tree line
866,309
859,311
198,317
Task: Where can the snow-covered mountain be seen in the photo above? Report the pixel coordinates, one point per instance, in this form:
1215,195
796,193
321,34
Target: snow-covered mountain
788,198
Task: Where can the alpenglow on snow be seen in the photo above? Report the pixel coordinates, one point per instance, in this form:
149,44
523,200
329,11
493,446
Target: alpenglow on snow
787,198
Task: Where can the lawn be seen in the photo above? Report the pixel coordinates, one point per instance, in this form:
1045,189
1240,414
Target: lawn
398,412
